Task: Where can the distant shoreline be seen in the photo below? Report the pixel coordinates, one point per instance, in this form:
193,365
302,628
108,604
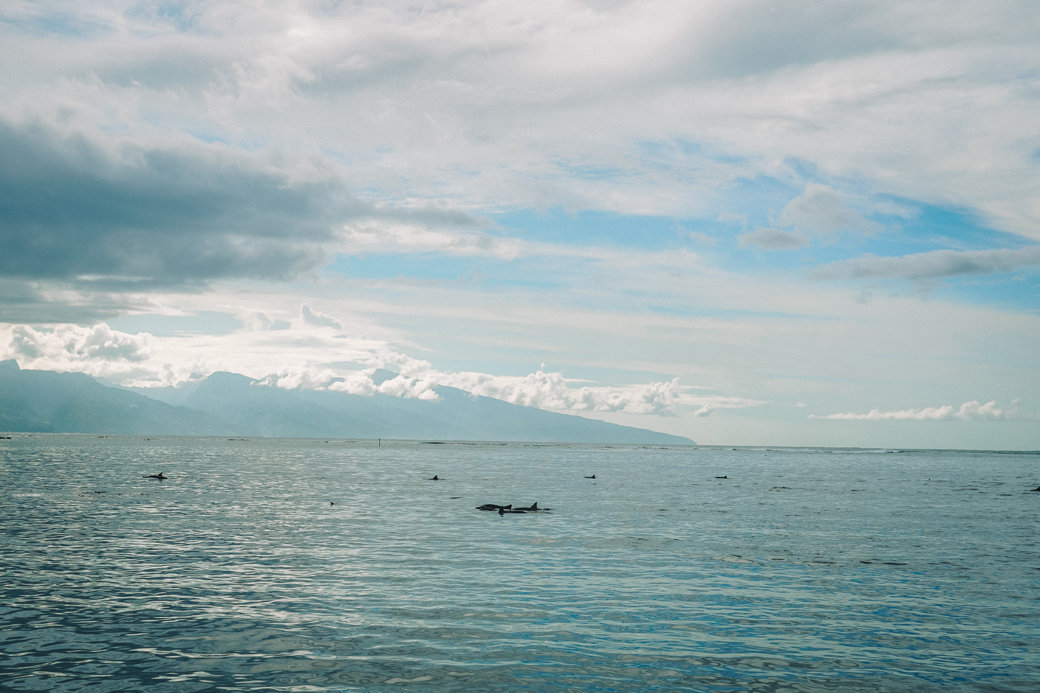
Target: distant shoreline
389,442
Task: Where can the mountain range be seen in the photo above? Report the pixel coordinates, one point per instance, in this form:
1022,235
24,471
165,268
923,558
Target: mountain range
236,405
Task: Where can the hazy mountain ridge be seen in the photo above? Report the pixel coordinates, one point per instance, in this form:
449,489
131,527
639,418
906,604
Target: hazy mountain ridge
47,401
233,404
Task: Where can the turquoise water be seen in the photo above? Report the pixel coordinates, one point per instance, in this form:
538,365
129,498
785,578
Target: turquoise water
289,565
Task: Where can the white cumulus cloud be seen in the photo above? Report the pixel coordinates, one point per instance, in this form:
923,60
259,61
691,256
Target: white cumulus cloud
968,411
69,347
320,319
552,391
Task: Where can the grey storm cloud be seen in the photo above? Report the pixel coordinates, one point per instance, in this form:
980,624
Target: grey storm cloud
163,213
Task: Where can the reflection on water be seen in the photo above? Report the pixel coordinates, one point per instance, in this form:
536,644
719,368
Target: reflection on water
313,565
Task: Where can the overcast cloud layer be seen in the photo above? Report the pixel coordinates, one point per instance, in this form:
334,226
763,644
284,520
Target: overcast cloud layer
741,222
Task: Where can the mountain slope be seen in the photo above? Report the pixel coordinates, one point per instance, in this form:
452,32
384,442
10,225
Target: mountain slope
456,415
45,401
232,404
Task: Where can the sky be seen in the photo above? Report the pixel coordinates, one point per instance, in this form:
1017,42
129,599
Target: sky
747,223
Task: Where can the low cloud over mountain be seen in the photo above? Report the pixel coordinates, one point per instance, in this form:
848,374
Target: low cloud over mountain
231,404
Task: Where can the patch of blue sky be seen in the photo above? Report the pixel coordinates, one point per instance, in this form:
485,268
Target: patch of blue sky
952,228
932,228
210,137
929,228
592,228
686,150
687,310
803,169
61,24
586,171
488,271
177,15
1019,290
918,228
758,201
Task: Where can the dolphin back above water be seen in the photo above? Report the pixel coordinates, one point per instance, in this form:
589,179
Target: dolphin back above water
509,509
533,508
160,476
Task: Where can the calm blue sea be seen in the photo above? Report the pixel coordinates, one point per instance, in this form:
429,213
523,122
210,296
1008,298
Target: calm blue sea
304,565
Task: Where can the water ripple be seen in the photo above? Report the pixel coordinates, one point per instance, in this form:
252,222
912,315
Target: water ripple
273,565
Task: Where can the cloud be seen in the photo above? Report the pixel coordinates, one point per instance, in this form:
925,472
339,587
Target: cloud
552,391
81,206
97,343
145,360
260,321
98,351
205,146
969,411
363,383
773,239
36,302
312,318
377,235
480,102
820,210
542,390
932,265
407,388
115,212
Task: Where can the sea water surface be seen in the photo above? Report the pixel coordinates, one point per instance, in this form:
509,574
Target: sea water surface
311,565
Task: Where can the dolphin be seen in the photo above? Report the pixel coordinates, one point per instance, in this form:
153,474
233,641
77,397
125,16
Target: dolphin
1036,489
533,508
434,478
492,506
160,476
591,477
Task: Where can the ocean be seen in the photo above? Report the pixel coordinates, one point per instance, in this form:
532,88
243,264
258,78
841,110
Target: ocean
313,565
